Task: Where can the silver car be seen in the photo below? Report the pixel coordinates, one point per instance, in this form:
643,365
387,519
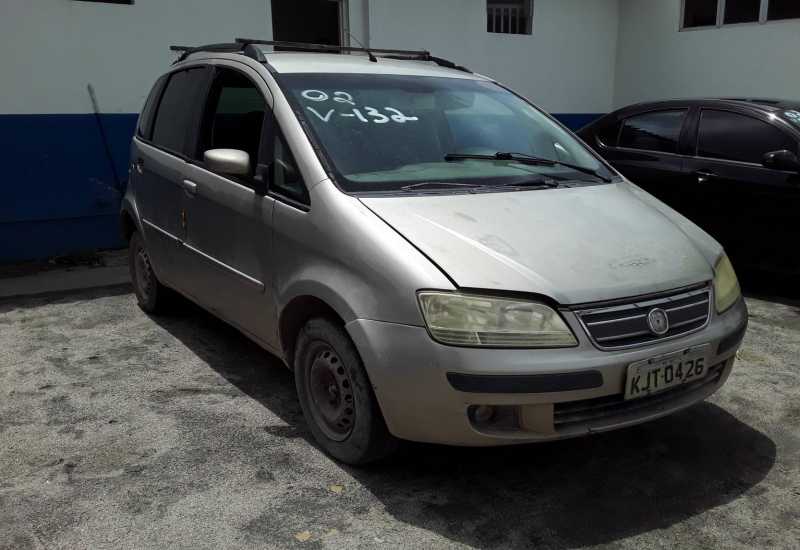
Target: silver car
434,257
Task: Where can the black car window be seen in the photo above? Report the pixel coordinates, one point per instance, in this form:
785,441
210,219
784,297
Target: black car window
286,179
731,136
609,134
654,131
176,109
145,127
234,116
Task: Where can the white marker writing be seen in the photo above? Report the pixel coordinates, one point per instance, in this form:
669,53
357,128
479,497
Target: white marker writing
325,118
315,95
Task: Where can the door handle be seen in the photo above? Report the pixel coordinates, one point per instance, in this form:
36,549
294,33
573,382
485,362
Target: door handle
190,187
704,176
139,166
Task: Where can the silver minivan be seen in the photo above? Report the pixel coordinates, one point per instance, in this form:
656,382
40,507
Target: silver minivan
434,257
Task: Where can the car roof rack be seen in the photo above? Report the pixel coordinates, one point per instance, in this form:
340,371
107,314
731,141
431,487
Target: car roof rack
411,55
234,47
247,46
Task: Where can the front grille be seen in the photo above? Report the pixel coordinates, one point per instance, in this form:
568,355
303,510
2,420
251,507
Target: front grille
599,408
624,324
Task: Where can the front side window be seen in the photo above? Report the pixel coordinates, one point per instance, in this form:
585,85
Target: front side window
656,131
731,136
176,111
383,132
235,114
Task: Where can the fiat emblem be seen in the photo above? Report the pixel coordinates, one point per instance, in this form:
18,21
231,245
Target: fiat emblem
657,321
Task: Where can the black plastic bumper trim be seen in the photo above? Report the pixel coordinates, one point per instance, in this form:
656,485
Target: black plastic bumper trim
732,340
525,383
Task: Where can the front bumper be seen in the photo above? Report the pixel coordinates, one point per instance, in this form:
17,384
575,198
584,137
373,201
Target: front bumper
409,373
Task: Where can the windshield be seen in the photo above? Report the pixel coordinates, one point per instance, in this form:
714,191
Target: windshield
386,132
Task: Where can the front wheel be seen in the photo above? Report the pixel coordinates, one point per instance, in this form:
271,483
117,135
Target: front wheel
336,395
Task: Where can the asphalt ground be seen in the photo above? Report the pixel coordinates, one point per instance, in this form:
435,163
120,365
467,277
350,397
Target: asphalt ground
119,430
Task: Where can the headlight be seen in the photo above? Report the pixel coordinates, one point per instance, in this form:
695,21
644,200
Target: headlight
726,285
465,320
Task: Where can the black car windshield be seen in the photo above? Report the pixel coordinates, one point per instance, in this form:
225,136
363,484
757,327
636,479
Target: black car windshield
386,132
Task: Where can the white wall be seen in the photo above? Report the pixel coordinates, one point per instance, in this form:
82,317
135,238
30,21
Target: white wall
53,48
655,61
565,66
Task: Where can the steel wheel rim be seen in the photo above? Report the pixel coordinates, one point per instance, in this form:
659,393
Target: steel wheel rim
330,392
144,273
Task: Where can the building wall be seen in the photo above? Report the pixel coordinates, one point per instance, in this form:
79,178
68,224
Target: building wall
566,66
656,61
59,193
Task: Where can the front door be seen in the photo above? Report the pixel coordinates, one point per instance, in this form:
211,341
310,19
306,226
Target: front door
752,210
229,229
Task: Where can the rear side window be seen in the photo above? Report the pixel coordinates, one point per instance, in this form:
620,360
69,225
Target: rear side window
656,131
731,136
145,128
176,110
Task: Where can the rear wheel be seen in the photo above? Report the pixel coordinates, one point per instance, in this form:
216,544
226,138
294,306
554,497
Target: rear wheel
150,293
336,395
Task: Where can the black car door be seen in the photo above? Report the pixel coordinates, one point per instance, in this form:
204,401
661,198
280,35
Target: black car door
751,209
644,147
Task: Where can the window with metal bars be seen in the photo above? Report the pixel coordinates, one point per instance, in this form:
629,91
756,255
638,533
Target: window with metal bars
509,16
716,13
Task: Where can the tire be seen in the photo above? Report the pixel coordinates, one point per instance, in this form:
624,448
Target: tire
336,395
150,293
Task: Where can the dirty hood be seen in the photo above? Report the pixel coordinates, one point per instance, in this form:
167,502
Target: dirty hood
574,245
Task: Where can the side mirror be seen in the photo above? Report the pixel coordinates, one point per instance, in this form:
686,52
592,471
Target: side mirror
232,162
782,160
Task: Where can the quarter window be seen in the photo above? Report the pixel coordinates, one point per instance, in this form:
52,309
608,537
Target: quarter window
176,110
509,16
656,131
731,136
145,126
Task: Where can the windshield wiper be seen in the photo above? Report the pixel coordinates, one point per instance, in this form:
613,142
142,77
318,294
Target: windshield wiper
438,185
523,158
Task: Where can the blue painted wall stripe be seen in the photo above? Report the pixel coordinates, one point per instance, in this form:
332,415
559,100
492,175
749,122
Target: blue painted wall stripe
57,193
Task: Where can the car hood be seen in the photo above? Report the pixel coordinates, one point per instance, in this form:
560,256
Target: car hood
574,245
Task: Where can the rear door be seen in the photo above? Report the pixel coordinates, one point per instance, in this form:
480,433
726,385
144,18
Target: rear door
752,210
159,158
229,218
645,148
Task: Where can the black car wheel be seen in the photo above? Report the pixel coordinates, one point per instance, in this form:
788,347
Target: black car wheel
150,293
336,395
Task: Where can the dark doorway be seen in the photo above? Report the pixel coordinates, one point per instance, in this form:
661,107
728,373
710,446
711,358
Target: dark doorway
315,21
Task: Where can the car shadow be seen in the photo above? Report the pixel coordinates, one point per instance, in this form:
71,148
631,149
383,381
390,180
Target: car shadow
571,493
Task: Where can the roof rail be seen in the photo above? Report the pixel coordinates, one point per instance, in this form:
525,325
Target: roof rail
413,55
235,47
247,46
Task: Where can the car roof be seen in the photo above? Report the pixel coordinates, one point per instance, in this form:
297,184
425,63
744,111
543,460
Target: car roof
763,104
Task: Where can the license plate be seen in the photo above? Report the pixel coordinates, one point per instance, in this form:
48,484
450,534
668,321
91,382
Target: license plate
666,371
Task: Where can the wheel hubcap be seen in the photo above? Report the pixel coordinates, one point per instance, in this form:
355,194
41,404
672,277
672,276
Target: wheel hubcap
144,273
331,394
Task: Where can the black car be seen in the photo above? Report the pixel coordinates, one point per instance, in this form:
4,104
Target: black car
729,165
